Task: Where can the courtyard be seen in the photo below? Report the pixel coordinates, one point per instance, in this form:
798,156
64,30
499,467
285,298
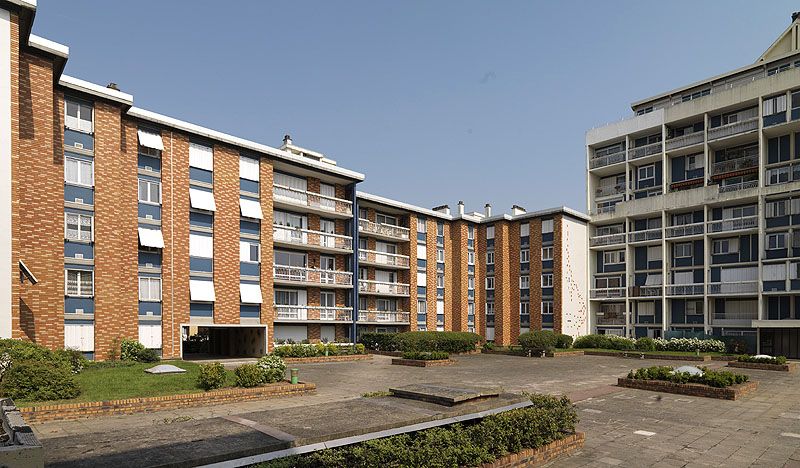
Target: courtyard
623,427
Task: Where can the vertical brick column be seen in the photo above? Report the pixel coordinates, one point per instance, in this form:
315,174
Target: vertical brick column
459,271
116,237
513,242
558,286
16,178
449,298
430,239
226,235
480,279
502,281
412,272
536,273
267,253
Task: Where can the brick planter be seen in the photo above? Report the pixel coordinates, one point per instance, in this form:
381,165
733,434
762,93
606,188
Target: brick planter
638,355
734,392
565,354
318,359
788,367
91,409
400,353
423,363
539,456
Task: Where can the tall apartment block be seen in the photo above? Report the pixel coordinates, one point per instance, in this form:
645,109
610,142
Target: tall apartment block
122,222
695,209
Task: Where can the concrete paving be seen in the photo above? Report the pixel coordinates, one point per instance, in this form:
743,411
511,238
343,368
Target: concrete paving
624,427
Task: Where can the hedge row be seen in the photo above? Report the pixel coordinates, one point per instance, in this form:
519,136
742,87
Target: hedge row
543,340
549,419
648,344
779,360
719,379
318,349
426,355
449,342
268,369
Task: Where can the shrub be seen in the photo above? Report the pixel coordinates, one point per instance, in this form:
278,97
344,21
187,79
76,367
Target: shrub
211,376
39,381
690,345
299,350
379,341
426,355
450,342
719,379
489,346
272,368
19,350
132,350
75,359
563,341
780,360
645,344
538,340
605,342
248,375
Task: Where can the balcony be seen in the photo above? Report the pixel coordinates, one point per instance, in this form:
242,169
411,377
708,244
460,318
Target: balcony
377,316
685,289
383,259
316,240
324,204
646,291
744,315
284,274
302,313
736,224
607,318
646,235
607,160
783,175
737,287
734,165
685,230
684,141
734,128
383,288
609,190
607,293
644,151
387,231
748,184
609,239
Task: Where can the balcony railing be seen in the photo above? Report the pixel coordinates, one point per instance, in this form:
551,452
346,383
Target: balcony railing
383,287
643,151
377,316
731,129
646,235
601,208
383,258
299,312
312,275
684,140
645,291
736,224
607,160
609,239
609,190
684,230
605,293
736,287
311,238
738,186
783,175
743,315
733,165
388,230
312,200
685,289
603,318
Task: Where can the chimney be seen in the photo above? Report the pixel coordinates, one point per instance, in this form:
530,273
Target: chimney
443,209
795,15
460,208
517,210
113,86
487,210
287,139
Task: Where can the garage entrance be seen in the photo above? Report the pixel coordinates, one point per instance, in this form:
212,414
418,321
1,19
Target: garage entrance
781,342
223,341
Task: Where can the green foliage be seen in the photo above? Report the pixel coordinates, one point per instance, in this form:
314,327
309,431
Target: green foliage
18,350
645,344
272,368
605,342
132,350
450,342
39,381
538,340
381,393
299,350
249,375
779,360
563,341
74,357
211,376
489,346
719,379
426,355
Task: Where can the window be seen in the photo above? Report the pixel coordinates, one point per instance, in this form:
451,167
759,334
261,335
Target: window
490,282
490,258
646,308
777,208
470,258
489,232
647,173
779,69
78,227
778,175
547,307
471,282
683,250
725,246
524,282
422,251
776,241
654,253
695,162
201,246
78,172
547,280
524,230
79,283
524,256
439,281
605,282
471,232
78,116
683,277
614,257
149,191
439,229
694,308
249,252
362,213
547,226
421,226
775,272
149,289
775,105
547,253
524,308
490,308
440,255
739,212
422,307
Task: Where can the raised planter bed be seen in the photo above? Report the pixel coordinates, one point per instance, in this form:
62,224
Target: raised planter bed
422,362
788,367
400,353
91,409
337,358
734,392
540,456
638,355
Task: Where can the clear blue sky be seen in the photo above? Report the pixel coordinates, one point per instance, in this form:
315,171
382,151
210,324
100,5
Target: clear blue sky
434,101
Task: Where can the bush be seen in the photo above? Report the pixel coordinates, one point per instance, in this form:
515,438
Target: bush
690,345
780,360
379,341
645,344
19,350
426,355
605,342
538,340
489,346
248,375
211,376
75,359
719,379
299,350
449,342
563,341
39,381
272,367
132,350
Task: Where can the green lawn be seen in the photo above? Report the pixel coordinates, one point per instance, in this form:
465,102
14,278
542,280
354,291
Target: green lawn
99,383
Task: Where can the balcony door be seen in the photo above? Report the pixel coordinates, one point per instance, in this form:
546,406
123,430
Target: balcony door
327,302
291,187
327,226
290,226
384,277
328,193
291,304
328,266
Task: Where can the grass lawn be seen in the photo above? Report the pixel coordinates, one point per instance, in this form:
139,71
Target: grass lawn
99,383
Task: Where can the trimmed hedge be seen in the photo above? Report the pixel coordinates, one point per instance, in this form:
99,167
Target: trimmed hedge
779,360
248,375
622,343
549,419
449,342
544,340
719,379
319,349
605,342
426,355
212,376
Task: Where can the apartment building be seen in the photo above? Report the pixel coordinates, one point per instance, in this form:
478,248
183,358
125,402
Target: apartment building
197,242
695,203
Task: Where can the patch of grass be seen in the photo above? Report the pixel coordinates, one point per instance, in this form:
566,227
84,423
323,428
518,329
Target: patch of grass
376,394
109,382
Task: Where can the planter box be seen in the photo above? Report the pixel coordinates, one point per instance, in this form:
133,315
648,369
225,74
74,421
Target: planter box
318,359
566,353
788,367
423,363
400,353
734,392
540,456
91,409
638,355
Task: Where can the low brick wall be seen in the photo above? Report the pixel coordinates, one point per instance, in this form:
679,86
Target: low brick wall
400,353
638,355
566,353
539,456
734,392
91,409
724,358
788,367
318,359
423,363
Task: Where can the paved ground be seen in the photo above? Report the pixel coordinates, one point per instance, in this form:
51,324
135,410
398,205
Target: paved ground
624,427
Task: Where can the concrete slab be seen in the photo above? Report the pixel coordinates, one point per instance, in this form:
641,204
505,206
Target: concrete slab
442,395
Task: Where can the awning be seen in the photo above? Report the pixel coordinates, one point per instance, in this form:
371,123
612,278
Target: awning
151,140
250,208
151,238
250,293
202,200
201,157
201,290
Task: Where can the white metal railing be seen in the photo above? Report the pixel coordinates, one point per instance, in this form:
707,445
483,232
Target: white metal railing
738,186
609,239
383,258
645,291
642,151
312,275
607,160
605,208
735,128
312,200
735,224
683,230
609,190
383,287
685,140
732,165
739,315
685,289
299,236
646,235
372,316
605,293
389,230
304,312
733,287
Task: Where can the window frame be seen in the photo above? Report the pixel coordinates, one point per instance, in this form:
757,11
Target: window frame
79,215
149,280
490,256
545,255
490,283
79,161
80,272
525,255
149,184
545,283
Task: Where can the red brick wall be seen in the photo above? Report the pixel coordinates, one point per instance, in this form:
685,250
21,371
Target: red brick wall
226,235
430,238
558,235
480,279
458,285
513,242
536,273
503,303
412,262
267,254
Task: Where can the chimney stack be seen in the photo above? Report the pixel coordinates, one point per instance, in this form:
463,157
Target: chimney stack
487,210
460,208
113,86
517,210
795,15
443,209
287,139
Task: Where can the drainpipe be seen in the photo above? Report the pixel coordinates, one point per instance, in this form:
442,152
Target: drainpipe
354,235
